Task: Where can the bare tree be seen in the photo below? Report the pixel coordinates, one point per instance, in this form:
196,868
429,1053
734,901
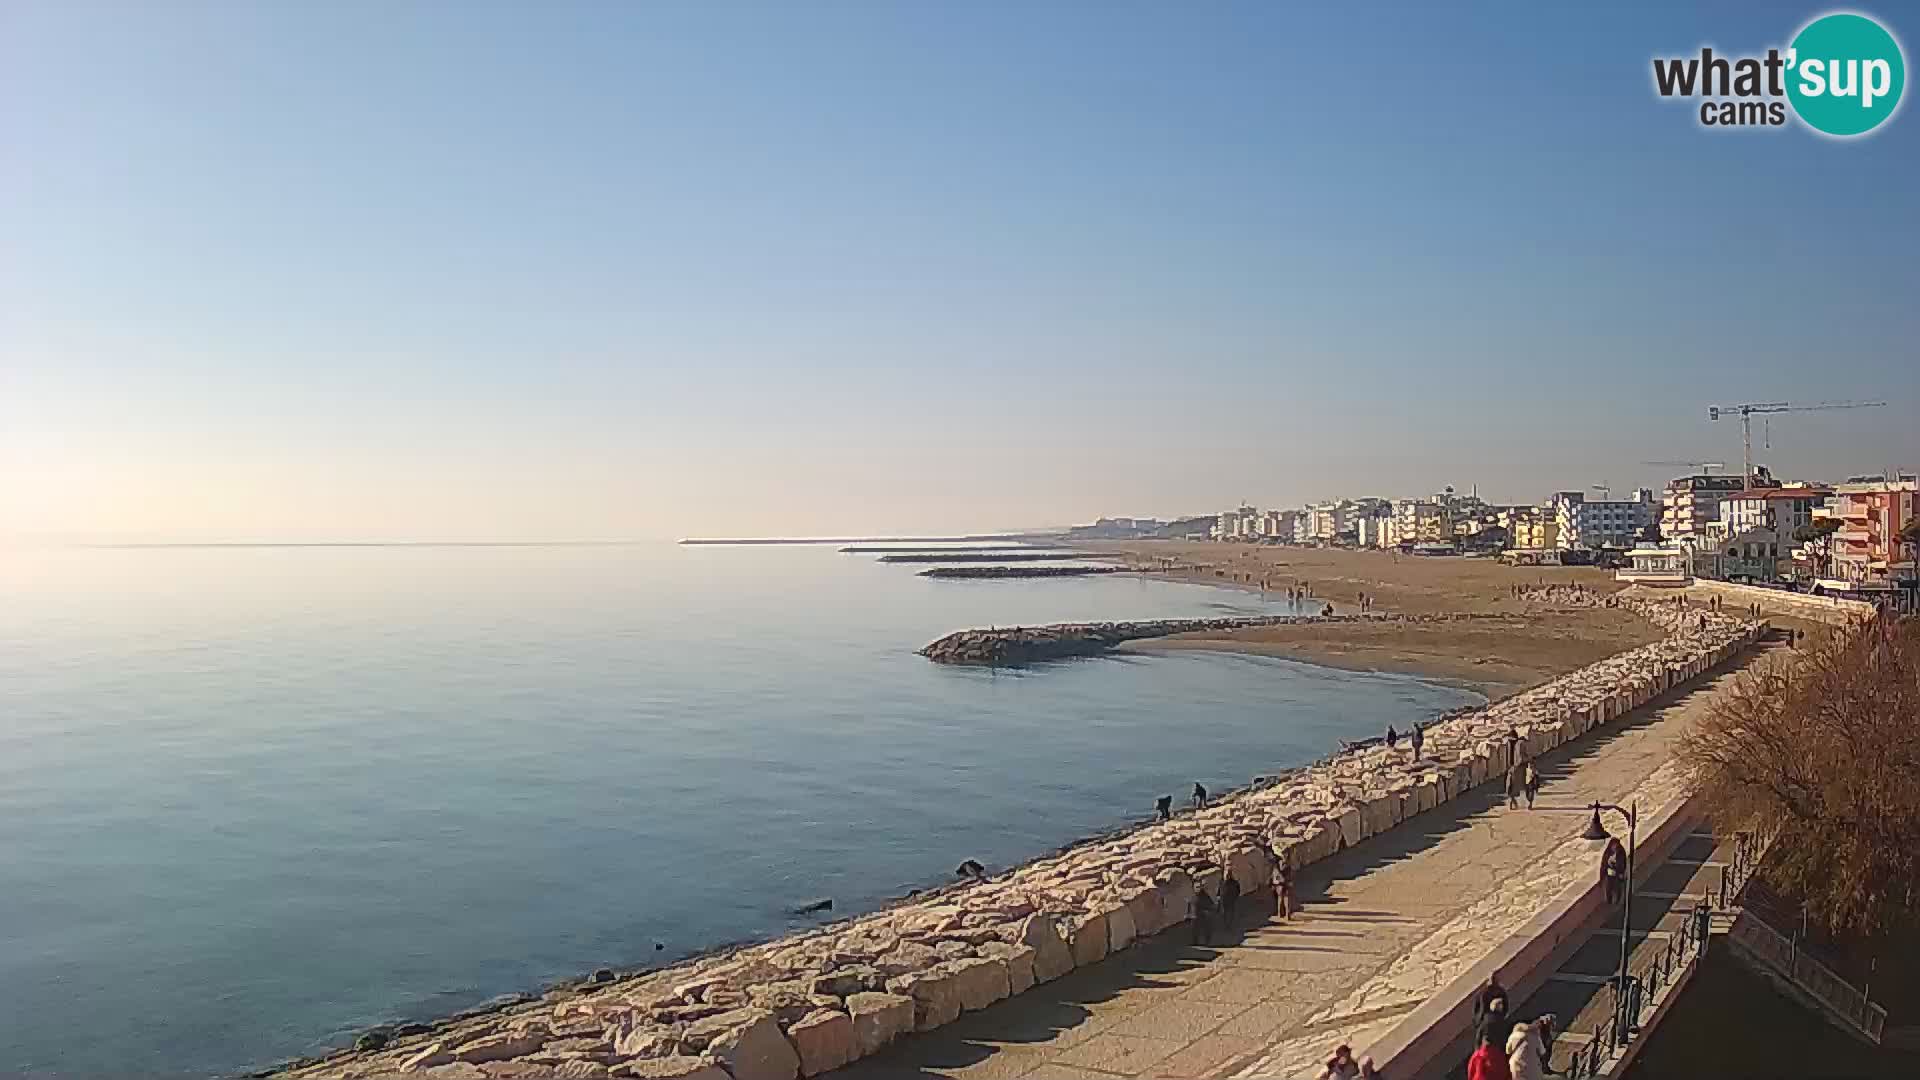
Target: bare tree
1822,750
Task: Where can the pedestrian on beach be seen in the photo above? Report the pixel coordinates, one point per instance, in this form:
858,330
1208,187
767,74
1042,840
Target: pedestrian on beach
1525,1054
1163,807
1513,743
1489,1062
1531,783
1199,796
1203,909
1341,1065
1613,869
1419,740
1229,900
1393,737
1516,783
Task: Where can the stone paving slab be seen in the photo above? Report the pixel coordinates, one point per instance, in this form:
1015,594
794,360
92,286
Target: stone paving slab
1386,924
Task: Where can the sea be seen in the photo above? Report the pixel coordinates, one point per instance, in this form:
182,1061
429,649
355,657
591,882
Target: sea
257,799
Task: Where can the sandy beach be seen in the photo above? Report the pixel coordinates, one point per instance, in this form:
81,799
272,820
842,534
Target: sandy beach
1496,657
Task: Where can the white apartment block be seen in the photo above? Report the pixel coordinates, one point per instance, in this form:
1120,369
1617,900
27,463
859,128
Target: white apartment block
1596,523
1781,509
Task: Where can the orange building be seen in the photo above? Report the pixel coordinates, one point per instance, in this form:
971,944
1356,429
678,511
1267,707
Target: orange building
1867,549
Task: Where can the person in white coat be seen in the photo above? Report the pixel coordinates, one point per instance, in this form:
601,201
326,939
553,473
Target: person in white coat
1527,1053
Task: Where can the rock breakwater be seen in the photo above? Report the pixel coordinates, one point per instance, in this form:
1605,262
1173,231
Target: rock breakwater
993,572
1013,646
806,1004
985,556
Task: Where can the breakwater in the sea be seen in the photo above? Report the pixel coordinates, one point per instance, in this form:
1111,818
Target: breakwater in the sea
985,556
996,572
1011,646
889,549
805,1004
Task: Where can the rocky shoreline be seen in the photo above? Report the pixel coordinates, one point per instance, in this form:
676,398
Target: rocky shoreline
808,1003
1015,646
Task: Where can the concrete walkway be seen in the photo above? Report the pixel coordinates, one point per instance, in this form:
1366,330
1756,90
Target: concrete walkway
1386,924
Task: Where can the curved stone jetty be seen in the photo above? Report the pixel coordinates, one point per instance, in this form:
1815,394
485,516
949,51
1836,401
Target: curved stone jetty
996,572
806,1004
1009,555
1013,646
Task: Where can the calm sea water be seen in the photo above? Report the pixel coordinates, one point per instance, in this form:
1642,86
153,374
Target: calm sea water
255,800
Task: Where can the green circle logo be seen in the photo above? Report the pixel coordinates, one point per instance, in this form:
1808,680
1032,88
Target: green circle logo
1845,74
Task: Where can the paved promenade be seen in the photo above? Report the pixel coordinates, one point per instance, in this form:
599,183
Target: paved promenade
1386,924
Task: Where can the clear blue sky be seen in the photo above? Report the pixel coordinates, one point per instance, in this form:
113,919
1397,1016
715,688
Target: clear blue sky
354,270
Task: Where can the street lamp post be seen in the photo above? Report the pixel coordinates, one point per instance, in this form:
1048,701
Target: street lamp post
1597,831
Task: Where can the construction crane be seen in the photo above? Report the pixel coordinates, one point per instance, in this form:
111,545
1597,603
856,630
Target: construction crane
1748,410
1704,466
1606,491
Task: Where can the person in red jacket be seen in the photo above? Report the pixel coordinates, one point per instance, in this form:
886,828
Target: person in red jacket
1489,1062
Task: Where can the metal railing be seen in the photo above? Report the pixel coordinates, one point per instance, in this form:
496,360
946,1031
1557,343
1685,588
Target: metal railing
1647,976
1784,954
1741,863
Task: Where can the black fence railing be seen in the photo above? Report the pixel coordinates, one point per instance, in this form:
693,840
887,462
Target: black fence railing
1650,972
1741,863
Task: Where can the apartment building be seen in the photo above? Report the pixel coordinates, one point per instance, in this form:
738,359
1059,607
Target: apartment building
1598,523
1277,524
1534,529
1240,524
1784,508
1690,503
1867,550
1418,521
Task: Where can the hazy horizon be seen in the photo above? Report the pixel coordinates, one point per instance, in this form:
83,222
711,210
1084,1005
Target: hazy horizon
477,272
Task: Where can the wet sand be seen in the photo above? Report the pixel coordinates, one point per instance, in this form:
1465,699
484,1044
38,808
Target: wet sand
1496,657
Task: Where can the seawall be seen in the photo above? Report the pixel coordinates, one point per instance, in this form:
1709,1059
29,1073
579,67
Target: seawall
811,1002
1825,609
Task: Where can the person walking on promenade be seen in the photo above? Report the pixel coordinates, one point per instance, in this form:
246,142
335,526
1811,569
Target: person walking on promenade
1530,783
1341,1065
1490,1006
1516,782
1488,1062
1163,808
1203,909
1283,896
1229,900
1613,869
1418,740
1525,1053
1393,737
